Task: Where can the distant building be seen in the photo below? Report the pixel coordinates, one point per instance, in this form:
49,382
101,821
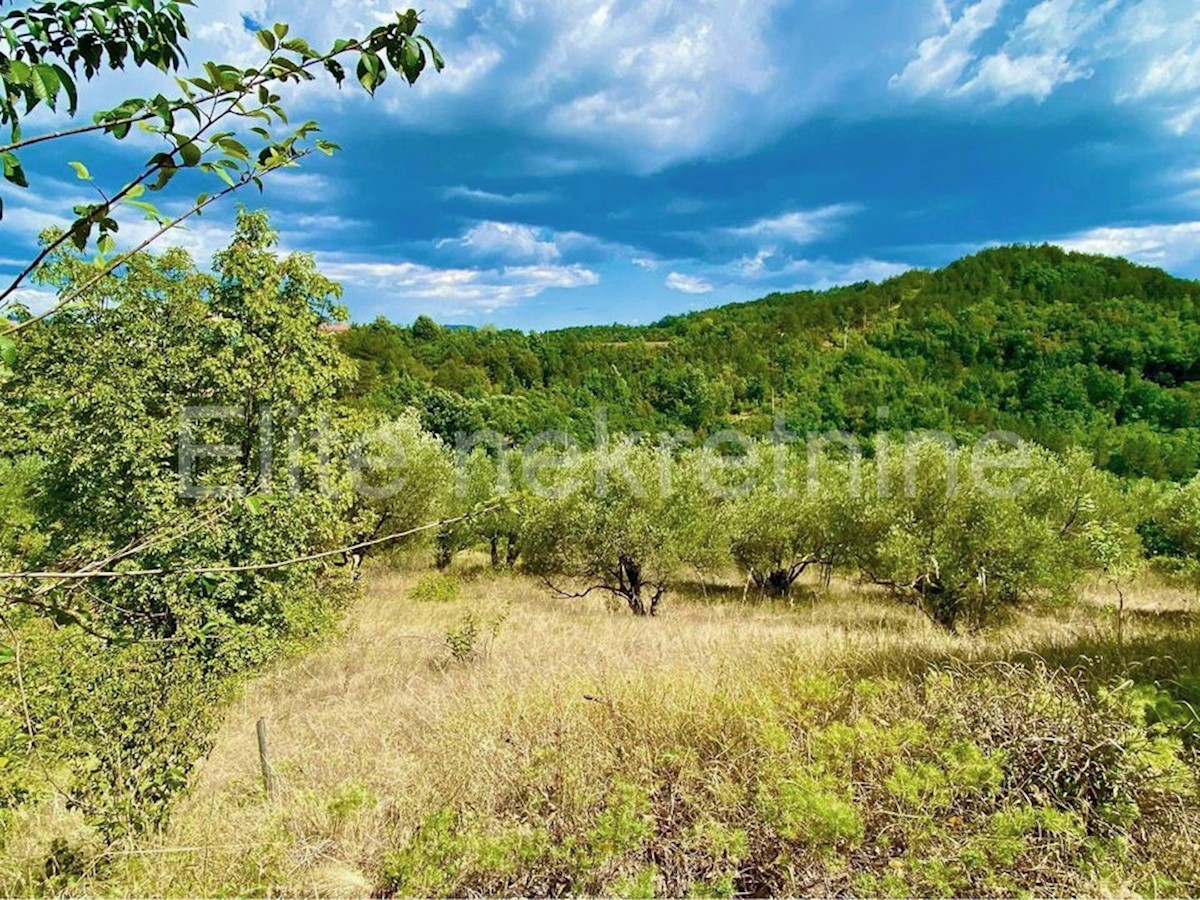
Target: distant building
334,327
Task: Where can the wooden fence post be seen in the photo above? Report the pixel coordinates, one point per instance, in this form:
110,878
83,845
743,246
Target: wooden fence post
265,760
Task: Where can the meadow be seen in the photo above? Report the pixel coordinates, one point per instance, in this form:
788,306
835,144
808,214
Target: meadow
469,733
881,590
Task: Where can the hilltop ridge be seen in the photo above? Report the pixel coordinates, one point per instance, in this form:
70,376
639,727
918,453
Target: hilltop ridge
1059,347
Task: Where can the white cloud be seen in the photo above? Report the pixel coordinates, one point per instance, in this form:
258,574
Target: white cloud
1032,75
462,192
653,76
799,227
1053,45
688,284
942,58
505,240
755,265
1173,246
645,262
459,290
33,299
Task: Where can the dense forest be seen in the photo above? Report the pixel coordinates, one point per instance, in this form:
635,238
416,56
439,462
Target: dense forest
1062,348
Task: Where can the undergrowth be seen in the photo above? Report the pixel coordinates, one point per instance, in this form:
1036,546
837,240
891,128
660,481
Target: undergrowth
981,781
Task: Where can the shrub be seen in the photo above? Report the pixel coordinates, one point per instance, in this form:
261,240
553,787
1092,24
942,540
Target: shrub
435,587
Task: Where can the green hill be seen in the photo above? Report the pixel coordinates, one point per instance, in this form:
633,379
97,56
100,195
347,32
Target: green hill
1063,348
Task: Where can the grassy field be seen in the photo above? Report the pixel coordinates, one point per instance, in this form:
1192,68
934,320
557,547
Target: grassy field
471,734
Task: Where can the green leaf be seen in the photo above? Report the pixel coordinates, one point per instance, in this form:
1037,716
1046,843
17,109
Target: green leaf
46,83
12,170
18,71
8,351
81,171
149,209
106,244
438,62
68,84
267,39
189,153
371,72
412,60
7,655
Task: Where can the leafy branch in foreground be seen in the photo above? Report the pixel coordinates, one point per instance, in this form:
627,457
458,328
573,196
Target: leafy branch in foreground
49,47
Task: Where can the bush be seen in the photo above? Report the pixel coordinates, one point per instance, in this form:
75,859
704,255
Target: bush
434,587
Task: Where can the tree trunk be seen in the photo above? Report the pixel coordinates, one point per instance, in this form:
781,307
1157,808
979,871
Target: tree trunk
445,552
779,582
494,545
514,550
634,598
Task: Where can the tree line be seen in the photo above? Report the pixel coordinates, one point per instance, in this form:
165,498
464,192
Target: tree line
1064,349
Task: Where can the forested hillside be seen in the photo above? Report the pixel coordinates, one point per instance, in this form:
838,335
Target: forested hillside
1063,348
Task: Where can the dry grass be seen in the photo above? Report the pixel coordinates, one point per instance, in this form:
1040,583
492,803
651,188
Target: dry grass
357,727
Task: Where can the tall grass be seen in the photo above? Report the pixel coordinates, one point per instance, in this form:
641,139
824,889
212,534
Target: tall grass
837,744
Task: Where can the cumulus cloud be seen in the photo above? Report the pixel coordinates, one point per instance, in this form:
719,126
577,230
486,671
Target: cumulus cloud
1052,46
1148,50
1161,43
505,240
688,284
942,58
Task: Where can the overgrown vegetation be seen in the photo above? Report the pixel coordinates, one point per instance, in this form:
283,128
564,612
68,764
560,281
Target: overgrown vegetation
963,782
194,470
843,746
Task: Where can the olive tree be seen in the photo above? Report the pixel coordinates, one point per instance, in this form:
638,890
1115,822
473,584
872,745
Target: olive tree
402,477
962,535
489,483
616,521
790,518
1177,516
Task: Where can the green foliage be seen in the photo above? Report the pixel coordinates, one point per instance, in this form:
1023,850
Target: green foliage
403,476
792,518
1061,348
623,522
51,46
489,486
1176,522
964,535
94,480
434,587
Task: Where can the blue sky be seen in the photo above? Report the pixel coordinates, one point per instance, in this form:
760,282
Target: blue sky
591,161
